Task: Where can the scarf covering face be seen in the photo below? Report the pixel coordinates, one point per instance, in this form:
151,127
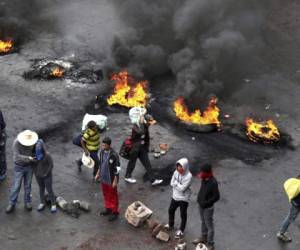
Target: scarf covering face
205,175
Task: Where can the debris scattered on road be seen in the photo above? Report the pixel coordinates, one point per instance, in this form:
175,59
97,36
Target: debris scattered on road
137,213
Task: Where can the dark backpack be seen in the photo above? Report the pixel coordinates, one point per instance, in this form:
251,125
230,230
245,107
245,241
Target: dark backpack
77,140
126,148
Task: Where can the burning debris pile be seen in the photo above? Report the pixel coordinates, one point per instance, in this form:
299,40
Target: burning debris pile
127,91
46,69
264,132
6,46
200,122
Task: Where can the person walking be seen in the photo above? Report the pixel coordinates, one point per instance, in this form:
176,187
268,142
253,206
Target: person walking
24,161
108,174
292,188
140,140
43,175
180,182
207,196
90,143
3,165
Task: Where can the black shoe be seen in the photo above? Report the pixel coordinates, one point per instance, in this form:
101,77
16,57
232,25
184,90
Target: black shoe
79,164
28,206
10,208
105,212
113,217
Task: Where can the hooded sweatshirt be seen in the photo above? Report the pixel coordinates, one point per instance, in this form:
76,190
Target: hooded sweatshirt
181,182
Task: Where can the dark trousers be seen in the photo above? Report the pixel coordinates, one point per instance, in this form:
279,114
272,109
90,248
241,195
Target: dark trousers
2,159
183,213
207,224
142,154
46,183
95,157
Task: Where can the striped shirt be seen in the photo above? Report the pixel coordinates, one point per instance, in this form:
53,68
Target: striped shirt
92,139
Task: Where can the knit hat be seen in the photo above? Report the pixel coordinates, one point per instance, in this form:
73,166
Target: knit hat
206,168
107,140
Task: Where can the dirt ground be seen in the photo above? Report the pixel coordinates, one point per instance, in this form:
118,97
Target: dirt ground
252,203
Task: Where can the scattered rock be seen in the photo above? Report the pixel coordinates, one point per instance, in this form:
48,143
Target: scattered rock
163,236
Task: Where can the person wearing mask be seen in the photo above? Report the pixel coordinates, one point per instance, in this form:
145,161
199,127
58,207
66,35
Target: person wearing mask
108,174
2,148
43,175
180,182
207,196
24,161
140,139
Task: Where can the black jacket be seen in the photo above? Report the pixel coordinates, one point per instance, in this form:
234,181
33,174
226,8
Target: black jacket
113,163
208,193
296,201
2,122
140,138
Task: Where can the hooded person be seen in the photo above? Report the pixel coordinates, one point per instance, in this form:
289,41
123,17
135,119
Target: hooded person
207,196
24,161
43,175
2,148
180,182
140,140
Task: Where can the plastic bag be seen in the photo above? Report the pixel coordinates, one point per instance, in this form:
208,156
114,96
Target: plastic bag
101,121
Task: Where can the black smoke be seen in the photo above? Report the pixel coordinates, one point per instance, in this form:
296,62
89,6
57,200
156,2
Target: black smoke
208,45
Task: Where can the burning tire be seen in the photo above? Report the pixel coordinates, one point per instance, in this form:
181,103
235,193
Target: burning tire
199,128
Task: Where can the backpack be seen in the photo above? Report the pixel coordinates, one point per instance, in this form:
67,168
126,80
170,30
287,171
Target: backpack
77,140
126,148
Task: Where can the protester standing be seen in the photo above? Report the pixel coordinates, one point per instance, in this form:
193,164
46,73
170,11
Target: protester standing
207,196
108,174
2,148
292,188
24,161
43,175
90,143
140,140
180,182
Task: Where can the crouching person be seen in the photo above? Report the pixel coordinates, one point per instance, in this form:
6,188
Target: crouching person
181,182
43,175
207,196
24,161
108,174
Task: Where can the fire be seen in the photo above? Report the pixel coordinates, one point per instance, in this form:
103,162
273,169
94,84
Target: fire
126,95
265,132
57,72
6,46
209,116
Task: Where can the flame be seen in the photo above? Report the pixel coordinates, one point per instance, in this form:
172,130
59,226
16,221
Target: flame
266,131
126,95
57,72
209,116
6,46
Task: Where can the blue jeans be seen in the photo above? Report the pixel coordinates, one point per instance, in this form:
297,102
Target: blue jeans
2,161
20,173
294,211
207,224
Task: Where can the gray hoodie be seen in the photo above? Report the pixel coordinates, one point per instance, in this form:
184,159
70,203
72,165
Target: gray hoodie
181,182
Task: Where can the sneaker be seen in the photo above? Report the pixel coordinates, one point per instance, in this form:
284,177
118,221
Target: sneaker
168,227
199,240
2,177
284,237
41,207
113,217
10,208
105,212
79,164
53,209
210,247
28,206
178,234
130,180
156,182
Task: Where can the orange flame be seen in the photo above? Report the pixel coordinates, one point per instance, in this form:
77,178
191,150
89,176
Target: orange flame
6,46
126,95
209,116
265,132
57,72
